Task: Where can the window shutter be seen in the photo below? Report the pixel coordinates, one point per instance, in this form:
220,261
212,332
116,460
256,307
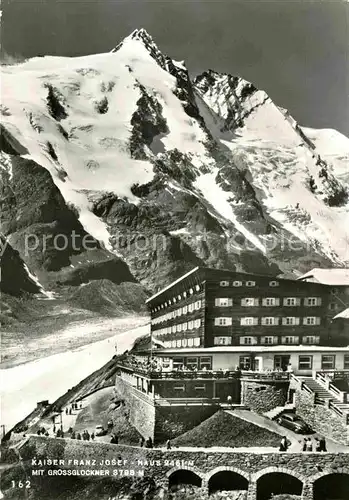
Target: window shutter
319,301
298,301
230,302
275,340
216,302
296,340
243,302
264,302
304,321
317,321
255,321
216,321
296,321
263,322
256,302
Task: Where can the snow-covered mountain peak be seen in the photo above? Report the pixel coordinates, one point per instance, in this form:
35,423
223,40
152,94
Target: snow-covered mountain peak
129,142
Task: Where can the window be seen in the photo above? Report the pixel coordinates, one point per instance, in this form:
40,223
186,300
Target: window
185,326
184,342
250,283
206,363
179,297
312,301
346,362
237,283
289,320
248,340
179,387
291,301
190,342
185,309
197,323
333,306
270,321
305,362
223,321
198,304
245,362
177,362
273,283
249,302
268,340
271,301
222,341
311,320
200,387
191,291
197,288
192,362
223,302
311,339
196,341
224,283
290,340
190,325
191,308
328,362
248,321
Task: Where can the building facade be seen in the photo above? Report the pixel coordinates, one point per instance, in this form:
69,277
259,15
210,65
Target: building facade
208,307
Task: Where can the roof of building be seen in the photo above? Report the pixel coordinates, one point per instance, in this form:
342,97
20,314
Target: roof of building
253,349
334,277
207,272
344,314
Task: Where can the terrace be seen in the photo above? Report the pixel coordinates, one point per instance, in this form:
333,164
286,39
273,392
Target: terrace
159,373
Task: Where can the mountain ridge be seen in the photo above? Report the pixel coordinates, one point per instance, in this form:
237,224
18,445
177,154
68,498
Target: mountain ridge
138,151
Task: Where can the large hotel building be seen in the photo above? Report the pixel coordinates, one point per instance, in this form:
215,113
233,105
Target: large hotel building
209,307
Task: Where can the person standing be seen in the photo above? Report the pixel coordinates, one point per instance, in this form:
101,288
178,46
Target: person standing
323,444
168,444
317,445
284,444
309,445
304,446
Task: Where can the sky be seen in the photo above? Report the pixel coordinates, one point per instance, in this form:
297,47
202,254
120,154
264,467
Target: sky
296,50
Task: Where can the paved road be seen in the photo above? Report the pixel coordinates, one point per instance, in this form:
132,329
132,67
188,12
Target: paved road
296,439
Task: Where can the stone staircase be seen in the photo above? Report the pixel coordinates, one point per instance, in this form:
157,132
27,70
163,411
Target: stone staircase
325,393
275,412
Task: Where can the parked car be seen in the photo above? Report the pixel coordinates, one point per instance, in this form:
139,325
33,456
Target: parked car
294,423
100,431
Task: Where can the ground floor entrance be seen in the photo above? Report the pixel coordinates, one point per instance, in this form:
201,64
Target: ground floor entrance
225,388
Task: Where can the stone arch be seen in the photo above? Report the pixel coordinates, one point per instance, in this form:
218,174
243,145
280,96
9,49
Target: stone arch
278,480
185,467
190,476
327,472
223,468
242,479
331,482
280,470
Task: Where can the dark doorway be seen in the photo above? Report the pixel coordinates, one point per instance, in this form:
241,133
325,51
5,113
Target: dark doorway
281,362
183,476
225,389
278,483
332,487
227,481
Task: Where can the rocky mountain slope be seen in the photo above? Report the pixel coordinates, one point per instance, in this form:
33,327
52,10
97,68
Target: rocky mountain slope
118,169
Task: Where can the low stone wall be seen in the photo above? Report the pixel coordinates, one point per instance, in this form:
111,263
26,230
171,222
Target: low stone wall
321,419
160,464
141,412
263,396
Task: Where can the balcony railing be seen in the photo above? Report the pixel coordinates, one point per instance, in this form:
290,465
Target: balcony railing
271,376
185,374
